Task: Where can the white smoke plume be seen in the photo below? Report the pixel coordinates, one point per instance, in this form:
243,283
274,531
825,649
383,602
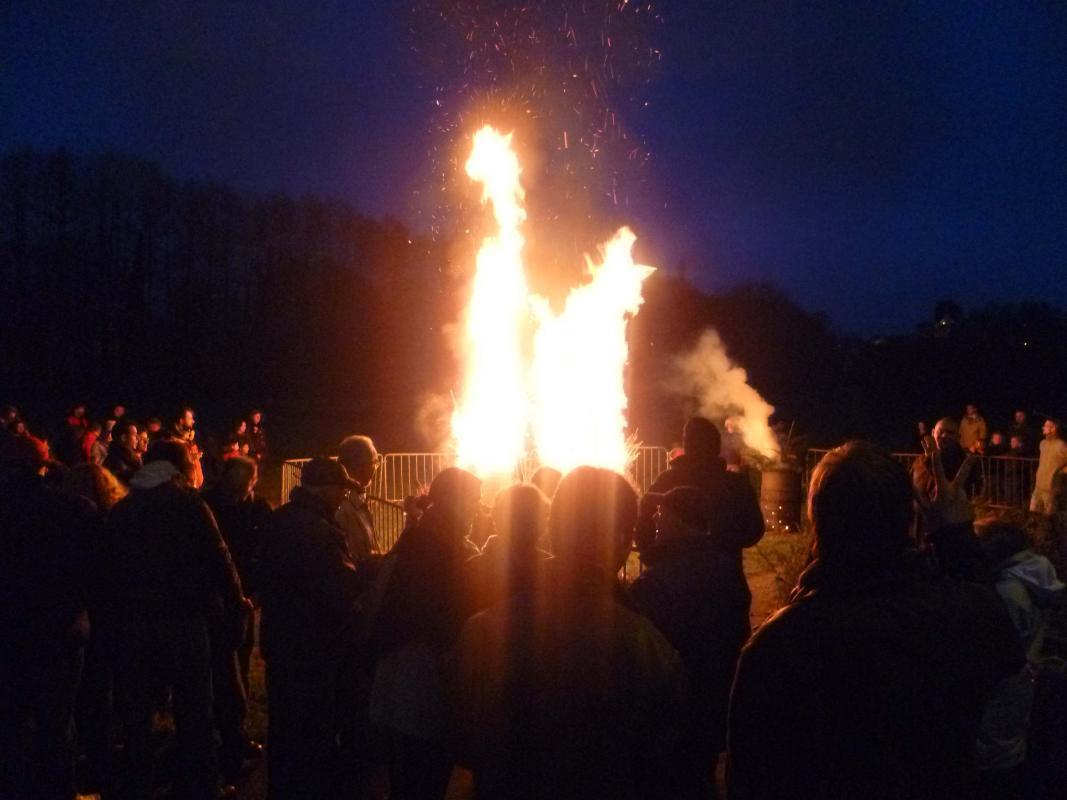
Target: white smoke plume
433,422
720,388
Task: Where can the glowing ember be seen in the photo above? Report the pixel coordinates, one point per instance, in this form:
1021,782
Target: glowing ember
568,396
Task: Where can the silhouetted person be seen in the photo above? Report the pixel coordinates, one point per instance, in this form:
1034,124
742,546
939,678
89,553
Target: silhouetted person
422,607
973,430
738,521
998,445
308,587
46,569
952,455
693,593
511,560
123,457
361,460
171,578
239,433
67,442
16,442
241,517
257,436
1020,426
871,682
562,692
1051,471
547,480
94,709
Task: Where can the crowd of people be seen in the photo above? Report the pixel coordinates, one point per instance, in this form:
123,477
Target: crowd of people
902,667
1008,479
1017,438
117,441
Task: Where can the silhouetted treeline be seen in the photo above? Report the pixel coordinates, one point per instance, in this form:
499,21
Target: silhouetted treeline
123,284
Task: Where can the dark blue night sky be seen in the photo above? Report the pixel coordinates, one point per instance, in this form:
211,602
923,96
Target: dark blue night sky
867,158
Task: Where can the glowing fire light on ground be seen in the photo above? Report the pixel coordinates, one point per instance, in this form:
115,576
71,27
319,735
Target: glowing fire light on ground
532,374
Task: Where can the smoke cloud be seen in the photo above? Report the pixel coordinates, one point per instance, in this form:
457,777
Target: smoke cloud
721,390
433,418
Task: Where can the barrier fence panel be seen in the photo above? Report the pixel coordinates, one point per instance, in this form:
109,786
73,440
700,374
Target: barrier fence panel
648,464
1001,481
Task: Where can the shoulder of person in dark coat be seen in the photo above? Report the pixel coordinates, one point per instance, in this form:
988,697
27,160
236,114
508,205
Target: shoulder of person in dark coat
905,657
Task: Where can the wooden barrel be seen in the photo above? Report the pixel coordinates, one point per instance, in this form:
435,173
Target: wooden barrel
781,499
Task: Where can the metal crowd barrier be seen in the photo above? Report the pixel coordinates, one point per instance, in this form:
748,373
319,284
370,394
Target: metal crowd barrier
404,474
1003,482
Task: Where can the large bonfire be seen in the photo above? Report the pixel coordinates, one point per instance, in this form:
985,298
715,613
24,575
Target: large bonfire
537,382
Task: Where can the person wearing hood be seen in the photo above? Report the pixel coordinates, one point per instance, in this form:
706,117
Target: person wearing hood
1028,585
308,591
170,576
422,605
694,595
871,682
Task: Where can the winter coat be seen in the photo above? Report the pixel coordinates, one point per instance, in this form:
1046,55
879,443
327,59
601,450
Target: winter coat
308,583
425,599
973,433
869,684
167,557
738,521
565,693
355,519
691,591
241,523
47,562
423,606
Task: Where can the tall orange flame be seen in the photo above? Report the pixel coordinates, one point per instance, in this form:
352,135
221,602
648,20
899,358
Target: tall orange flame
491,417
569,396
